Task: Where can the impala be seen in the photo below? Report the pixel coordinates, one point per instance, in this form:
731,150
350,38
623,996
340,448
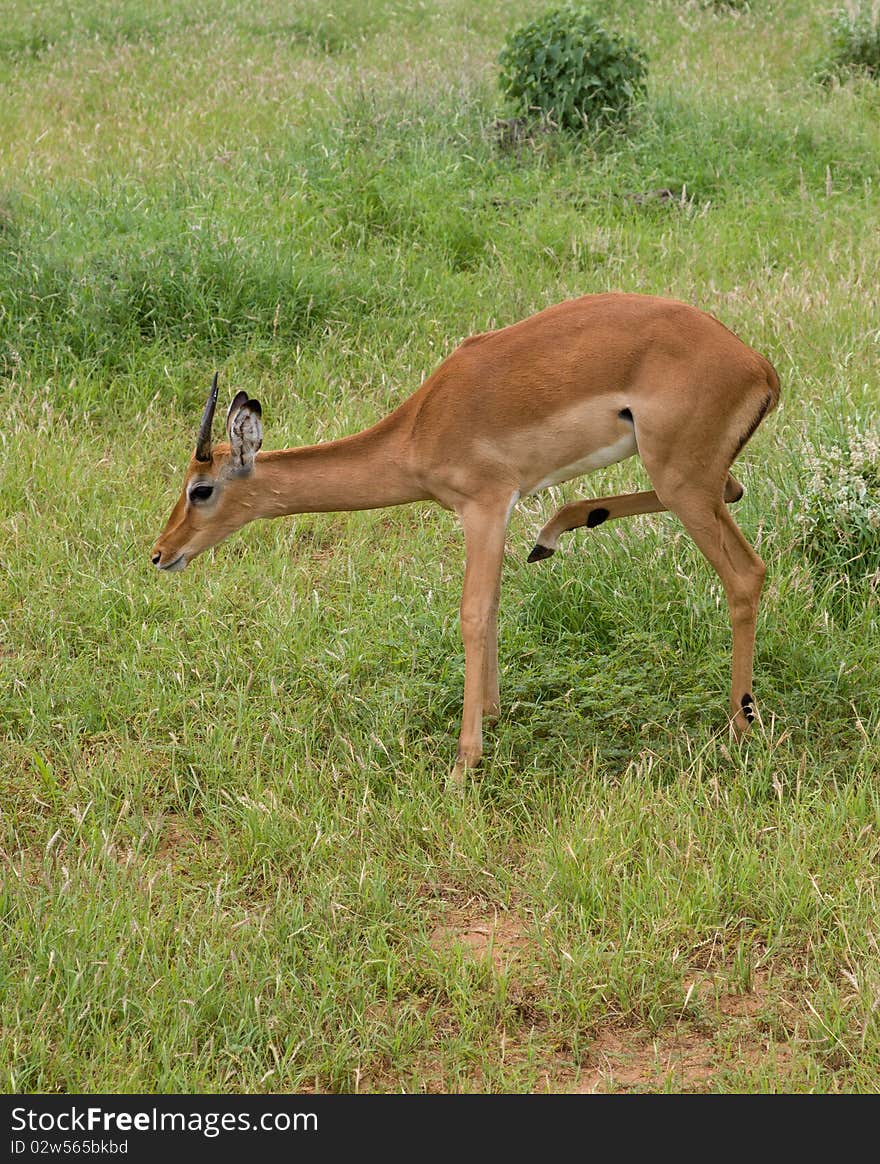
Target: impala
576,387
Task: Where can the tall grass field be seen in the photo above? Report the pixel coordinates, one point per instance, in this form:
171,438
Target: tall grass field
230,858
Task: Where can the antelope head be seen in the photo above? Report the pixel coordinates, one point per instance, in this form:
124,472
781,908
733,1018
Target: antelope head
218,494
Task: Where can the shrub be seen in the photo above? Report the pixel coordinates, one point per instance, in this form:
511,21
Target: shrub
839,515
571,70
855,42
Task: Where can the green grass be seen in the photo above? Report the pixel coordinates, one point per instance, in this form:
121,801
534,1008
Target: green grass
230,861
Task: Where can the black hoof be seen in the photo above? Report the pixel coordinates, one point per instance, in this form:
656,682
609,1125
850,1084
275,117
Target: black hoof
539,552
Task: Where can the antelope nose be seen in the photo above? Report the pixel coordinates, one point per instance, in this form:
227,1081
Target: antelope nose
156,558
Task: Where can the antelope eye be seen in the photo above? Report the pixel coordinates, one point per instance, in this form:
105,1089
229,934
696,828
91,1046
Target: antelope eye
200,492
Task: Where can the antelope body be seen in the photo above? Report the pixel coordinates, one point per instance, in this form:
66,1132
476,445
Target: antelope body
576,387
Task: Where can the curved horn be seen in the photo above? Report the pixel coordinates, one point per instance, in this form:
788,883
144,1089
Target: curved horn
203,444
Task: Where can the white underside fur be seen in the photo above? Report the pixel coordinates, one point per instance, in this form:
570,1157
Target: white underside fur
598,459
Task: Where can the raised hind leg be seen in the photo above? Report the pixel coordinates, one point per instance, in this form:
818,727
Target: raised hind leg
600,509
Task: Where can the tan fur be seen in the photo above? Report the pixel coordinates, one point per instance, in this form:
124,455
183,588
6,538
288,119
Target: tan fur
508,412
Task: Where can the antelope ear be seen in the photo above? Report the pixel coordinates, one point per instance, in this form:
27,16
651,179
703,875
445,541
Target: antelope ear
245,433
239,399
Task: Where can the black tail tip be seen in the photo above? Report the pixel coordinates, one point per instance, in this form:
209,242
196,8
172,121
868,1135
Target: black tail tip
539,552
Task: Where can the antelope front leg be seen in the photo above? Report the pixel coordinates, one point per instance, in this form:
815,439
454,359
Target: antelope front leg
484,529
491,693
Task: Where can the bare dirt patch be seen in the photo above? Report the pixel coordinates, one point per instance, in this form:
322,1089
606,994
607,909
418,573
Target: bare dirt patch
725,1033
482,933
687,1057
678,1061
713,991
627,1061
179,844
176,838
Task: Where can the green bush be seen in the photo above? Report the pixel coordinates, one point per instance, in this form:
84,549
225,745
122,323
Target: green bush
571,70
855,42
839,519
